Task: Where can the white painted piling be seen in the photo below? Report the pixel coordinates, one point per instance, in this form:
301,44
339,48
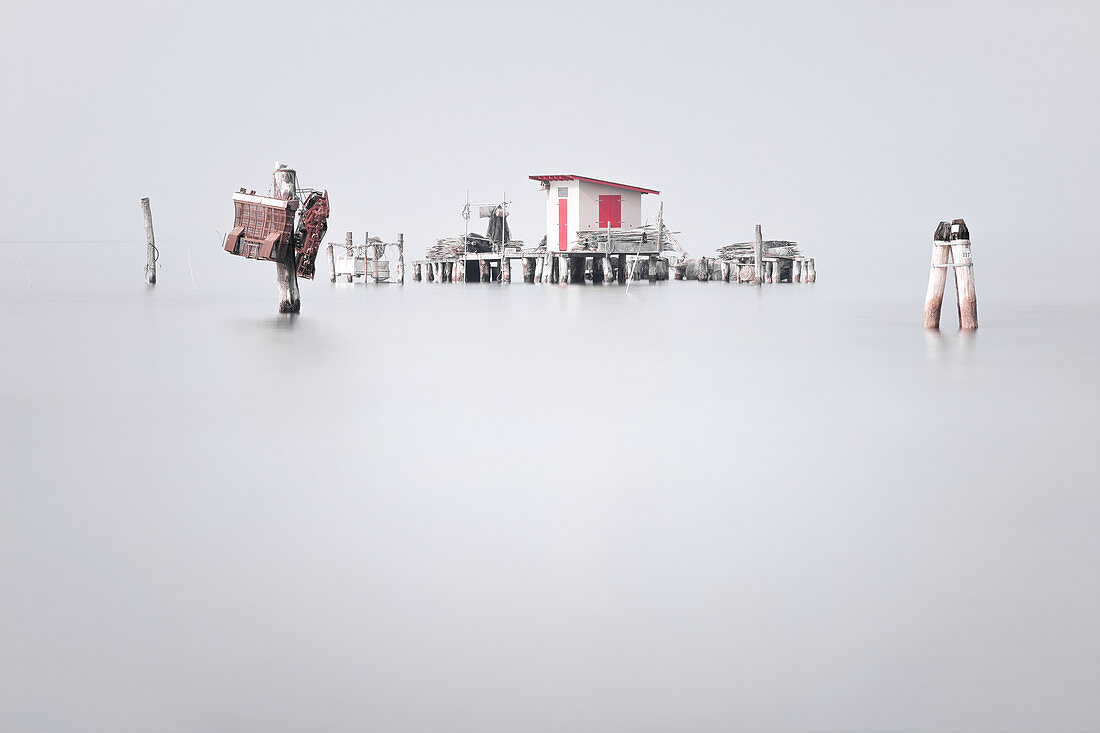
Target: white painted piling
331,263
964,284
150,244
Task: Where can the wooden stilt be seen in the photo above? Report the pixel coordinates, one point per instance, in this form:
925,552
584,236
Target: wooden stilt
331,263
505,270
622,269
483,269
812,276
937,276
563,269
539,263
796,270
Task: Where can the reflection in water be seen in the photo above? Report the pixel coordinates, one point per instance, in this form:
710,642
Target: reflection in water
410,506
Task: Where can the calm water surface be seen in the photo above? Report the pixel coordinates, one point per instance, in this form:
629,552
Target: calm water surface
695,506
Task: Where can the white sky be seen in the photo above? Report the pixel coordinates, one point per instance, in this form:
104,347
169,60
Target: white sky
851,127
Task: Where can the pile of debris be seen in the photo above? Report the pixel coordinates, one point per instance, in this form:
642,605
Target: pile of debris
772,248
596,240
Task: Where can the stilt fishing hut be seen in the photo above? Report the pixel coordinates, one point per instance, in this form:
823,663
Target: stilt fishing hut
594,231
285,227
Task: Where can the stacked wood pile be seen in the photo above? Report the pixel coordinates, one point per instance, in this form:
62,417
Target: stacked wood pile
449,248
772,248
595,240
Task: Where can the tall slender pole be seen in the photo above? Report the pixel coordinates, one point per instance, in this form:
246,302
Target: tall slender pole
757,256
150,244
401,259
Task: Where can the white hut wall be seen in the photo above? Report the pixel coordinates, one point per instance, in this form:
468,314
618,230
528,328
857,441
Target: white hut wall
631,213
570,193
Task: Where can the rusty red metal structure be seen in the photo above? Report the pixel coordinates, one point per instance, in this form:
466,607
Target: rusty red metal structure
311,230
263,227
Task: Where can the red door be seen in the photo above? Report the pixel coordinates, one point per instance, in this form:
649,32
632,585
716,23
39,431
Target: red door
563,224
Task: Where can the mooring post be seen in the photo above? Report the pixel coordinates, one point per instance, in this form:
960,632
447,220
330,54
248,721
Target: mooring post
150,244
937,275
286,274
964,275
400,258
757,255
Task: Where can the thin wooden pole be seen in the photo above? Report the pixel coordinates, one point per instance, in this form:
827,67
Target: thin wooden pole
757,255
331,264
400,259
150,244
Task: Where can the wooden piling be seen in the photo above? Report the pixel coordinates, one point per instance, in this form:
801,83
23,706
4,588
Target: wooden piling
622,269
812,275
331,263
483,270
563,269
937,276
757,256
540,262
150,244
796,270
286,275
505,269
964,275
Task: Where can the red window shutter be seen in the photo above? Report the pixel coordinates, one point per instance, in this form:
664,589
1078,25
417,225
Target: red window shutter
611,211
